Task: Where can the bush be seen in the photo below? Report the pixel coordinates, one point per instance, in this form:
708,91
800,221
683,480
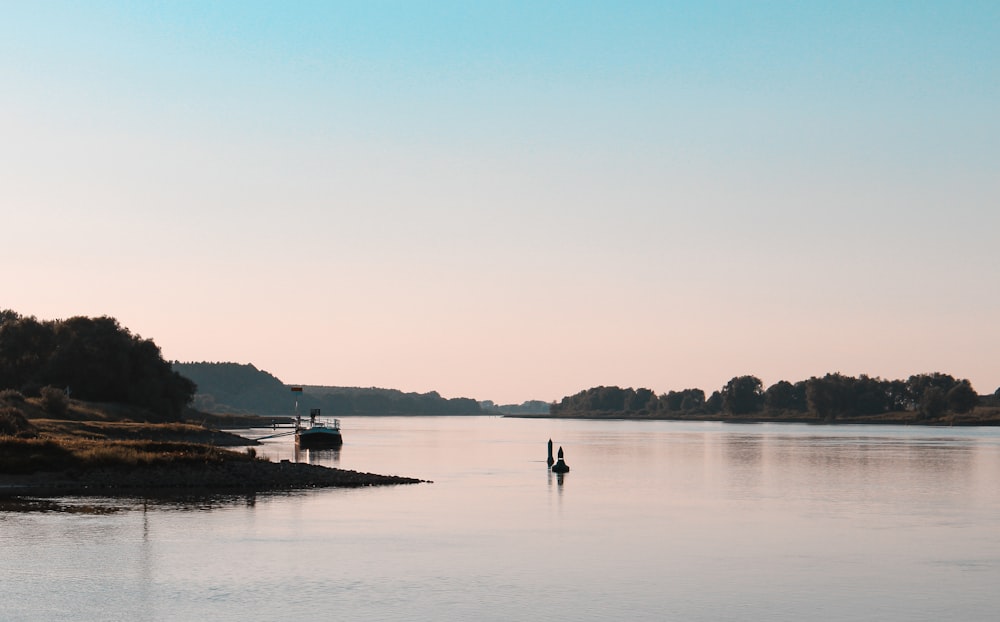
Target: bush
11,396
54,401
13,423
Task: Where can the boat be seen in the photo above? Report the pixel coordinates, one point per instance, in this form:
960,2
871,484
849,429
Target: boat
318,433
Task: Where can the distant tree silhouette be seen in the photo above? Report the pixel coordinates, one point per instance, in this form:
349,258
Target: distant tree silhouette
784,395
694,399
743,395
608,400
683,401
918,385
962,397
933,403
713,405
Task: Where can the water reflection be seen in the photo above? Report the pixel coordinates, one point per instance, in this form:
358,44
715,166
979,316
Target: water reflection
24,505
793,522
146,563
173,500
324,457
744,455
558,478
741,450
869,470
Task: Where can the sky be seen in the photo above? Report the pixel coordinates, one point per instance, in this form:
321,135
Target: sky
512,200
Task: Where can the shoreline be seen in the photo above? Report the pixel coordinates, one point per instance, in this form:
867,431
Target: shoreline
944,422
109,450
227,477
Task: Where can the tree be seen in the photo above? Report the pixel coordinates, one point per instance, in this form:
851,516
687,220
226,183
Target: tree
8,315
919,384
821,398
742,395
672,401
693,399
934,403
25,348
895,394
784,395
92,357
686,400
962,397
641,400
713,405
870,396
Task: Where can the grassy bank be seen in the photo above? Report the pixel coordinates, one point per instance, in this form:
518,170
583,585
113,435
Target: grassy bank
110,449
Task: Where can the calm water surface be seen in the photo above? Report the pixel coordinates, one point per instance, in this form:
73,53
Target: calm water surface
656,521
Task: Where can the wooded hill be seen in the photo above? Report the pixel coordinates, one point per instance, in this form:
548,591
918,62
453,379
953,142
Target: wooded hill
244,389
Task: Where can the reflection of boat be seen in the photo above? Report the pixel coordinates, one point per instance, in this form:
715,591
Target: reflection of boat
319,433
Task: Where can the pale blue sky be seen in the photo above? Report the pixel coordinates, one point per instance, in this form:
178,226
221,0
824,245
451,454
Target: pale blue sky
512,200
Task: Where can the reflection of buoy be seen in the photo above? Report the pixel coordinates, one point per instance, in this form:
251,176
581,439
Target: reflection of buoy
551,459
560,466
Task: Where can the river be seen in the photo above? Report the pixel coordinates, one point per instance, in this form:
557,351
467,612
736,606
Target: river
655,521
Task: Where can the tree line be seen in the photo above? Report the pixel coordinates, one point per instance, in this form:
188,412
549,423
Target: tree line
378,401
93,359
833,397
242,388
530,407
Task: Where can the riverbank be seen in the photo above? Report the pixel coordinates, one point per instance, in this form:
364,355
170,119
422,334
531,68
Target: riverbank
94,449
981,416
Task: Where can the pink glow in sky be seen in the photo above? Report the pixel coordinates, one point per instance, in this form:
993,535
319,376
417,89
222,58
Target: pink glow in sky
510,201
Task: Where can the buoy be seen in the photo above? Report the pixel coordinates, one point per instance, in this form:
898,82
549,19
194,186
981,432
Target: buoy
551,459
560,466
